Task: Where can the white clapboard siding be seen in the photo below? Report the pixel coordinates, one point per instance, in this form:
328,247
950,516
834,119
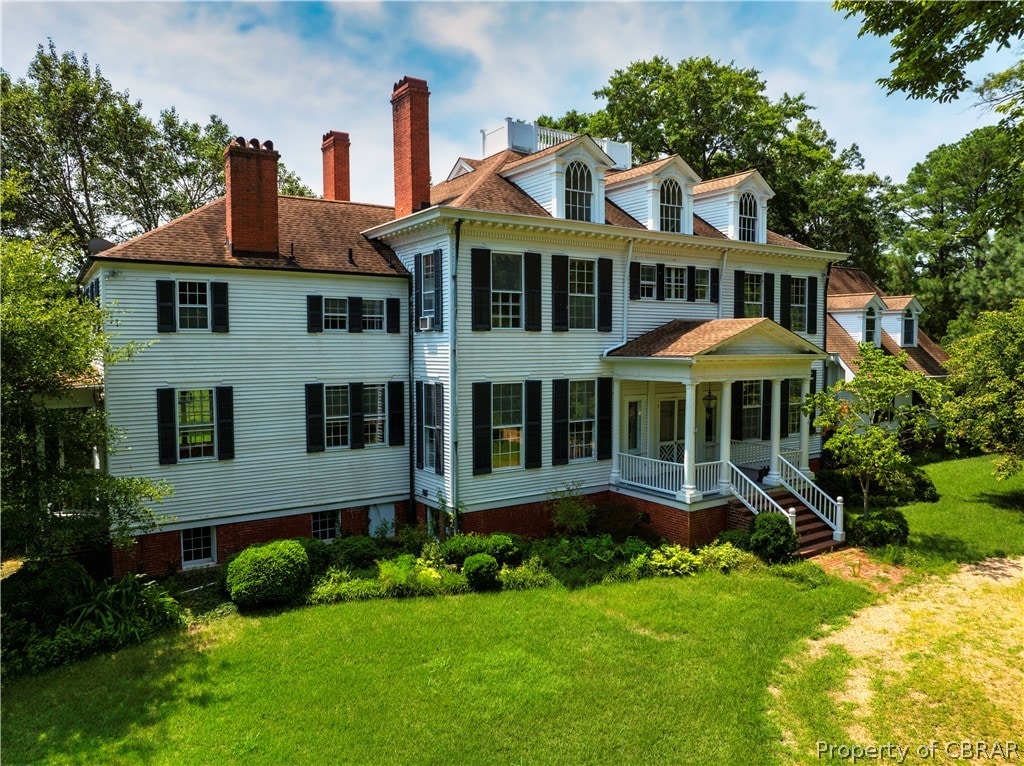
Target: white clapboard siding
539,184
853,323
267,358
716,212
635,201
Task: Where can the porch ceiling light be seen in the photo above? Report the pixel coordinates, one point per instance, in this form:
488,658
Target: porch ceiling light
709,400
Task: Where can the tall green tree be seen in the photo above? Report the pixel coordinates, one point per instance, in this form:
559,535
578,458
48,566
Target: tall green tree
54,499
985,406
996,282
719,119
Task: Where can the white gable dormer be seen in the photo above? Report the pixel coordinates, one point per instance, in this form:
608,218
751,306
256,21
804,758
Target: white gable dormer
860,314
736,205
567,180
900,319
659,194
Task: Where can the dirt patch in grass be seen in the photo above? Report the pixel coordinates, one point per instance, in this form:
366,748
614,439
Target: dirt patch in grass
939,660
855,565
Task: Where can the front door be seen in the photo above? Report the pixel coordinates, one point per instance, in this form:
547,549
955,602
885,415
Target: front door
633,427
672,430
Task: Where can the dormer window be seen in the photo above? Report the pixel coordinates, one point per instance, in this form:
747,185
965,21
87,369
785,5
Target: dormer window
579,190
748,218
909,328
671,206
870,326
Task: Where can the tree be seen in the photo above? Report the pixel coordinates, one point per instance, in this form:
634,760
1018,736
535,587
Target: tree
985,406
933,42
718,118
995,284
871,420
54,500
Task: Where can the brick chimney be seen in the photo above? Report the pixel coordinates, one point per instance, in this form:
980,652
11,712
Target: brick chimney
336,175
250,180
409,104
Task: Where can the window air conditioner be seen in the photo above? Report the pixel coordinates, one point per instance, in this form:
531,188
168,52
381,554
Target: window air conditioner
426,323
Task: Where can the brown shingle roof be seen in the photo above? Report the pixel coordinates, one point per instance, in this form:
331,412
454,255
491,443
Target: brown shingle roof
321,232
616,216
485,189
897,302
704,229
927,357
725,182
844,280
685,337
778,239
839,341
617,177
846,302
522,160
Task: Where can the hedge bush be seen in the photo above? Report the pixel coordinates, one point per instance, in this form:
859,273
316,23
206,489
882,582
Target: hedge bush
738,538
506,549
319,554
356,552
528,575
337,585
878,529
772,538
272,573
42,592
481,571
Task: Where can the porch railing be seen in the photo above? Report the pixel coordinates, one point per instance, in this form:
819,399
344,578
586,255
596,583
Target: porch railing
667,476
708,476
755,498
749,454
814,497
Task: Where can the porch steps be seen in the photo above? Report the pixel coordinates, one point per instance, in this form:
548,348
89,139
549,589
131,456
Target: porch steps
813,534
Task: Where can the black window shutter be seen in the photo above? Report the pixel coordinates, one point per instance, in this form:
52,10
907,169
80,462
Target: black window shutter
439,425
604,418
315,440
784,414
559,421
766,410
691,283
659,282
419,424
355,415
393,315
219,292
532,295
739,277
785,303
417,278
634,281
480,268
224,401
533,424
396,413
768,288
737,409
314,313
560,293
604,294
716,285
165,306
167,425
481,428
438,292
812,305
355,314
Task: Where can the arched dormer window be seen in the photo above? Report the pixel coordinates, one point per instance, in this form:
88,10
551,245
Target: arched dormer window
909,328
671,206
579,191
748,218
870,326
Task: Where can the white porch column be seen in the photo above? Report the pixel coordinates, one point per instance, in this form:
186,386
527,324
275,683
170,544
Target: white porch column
725,436
689,493
805,431
773,479
616,430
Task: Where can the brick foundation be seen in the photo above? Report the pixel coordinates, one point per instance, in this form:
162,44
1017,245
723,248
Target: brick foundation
739,516
688,528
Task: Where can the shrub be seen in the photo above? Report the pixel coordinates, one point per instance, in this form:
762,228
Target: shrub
772,538
409,539
616,519
723,557
272,573
878,529
408,576
481,571
42,592
336,585
506,549
571,511
737,538
357,552
632,547
528,575
631,570
672,561
318,553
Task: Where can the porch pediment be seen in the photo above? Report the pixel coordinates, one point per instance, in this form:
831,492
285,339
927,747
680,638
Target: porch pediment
685,339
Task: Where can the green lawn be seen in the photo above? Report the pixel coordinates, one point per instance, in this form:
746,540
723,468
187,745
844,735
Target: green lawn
672,670
976,517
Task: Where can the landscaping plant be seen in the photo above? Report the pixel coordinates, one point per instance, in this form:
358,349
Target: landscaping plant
272,573
772,538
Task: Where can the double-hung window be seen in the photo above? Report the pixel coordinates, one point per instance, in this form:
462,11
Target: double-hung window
702,284
506,290
909,328
794,406
198,547
582,418
753,295
336,416
671,198
579,190
798,304
196,426
354,415
193,306
675,283
373,314
582,294
870,325
374,414
506,425
748,218
335,314
648,281
751,412
428,284
429,427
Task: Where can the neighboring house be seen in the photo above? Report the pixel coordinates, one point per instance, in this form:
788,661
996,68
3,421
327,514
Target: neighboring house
545,315
859,312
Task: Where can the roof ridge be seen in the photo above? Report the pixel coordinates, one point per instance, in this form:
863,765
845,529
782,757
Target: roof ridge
162,227
335,201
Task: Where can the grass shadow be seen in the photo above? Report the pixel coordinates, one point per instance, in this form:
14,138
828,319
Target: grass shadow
946,547
1011,500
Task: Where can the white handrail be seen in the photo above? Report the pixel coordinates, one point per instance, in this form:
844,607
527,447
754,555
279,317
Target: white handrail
755,498
661,475
814,497
708,476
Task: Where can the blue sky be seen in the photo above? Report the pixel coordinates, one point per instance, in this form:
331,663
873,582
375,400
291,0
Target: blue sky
292,71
